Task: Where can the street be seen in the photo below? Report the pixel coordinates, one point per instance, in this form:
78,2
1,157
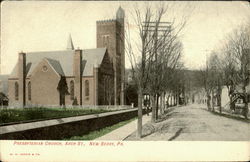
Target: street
194,123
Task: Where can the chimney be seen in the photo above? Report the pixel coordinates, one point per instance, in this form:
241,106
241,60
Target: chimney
22,77
96,80
77,72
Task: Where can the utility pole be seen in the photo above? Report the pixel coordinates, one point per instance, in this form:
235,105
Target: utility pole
159,30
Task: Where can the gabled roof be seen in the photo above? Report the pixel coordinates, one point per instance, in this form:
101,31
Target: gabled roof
56,66
64,57
62,61
93,58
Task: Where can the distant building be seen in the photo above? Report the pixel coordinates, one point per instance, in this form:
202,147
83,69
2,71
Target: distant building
4,90
73,76
4,84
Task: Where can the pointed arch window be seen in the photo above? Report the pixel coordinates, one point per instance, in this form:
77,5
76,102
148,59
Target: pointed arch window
72,91
105,40
29,91
86,88
16,91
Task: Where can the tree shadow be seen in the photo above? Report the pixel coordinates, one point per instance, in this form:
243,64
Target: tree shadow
176,134
165,116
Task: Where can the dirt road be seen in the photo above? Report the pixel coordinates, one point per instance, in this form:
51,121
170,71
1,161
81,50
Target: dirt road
194,123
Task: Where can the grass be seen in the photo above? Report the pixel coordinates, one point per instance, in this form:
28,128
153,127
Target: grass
95,134
27,114
231,116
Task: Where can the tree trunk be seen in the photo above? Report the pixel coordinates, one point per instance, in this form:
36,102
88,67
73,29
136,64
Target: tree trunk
153,117
245,82
164,102
139,124
212,100
171,100
168,101
232,103
219,102
162,105
219,98
245,110
208,102
157,106
177,98
174,99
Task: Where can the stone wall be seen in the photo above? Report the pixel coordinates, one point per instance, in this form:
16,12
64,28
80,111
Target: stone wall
58,129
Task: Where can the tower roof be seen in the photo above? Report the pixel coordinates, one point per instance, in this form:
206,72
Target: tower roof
70,45
120,14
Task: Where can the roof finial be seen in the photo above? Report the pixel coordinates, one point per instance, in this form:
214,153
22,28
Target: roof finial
120,14
70,45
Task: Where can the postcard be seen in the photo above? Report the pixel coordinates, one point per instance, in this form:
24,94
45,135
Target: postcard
125,81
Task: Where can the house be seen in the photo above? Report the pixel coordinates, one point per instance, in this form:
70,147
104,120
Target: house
237,93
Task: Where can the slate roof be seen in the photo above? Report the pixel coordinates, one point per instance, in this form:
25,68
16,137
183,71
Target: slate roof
56,66
64,57
92,57
62,61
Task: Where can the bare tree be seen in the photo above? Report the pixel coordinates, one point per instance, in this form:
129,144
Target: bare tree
229,76
205,75
138,65
215,80
211,78
165,56
158,51
237,51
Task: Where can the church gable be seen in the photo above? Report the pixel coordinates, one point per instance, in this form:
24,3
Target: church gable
106,65
65,58
47,67
93,58
56,66
44,80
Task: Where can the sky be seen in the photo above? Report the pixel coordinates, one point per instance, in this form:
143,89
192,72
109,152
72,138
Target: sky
45,26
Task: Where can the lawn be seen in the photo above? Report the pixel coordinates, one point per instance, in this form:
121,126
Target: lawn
27,114
95,134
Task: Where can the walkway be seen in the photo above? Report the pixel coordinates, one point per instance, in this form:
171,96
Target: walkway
121,133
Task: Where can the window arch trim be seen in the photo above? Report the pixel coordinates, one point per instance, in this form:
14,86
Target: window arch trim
29,91
72,90
16,91
86,83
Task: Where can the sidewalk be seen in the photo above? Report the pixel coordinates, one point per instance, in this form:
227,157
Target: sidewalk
121,133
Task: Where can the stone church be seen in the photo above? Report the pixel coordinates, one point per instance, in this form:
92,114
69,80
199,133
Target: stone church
73,76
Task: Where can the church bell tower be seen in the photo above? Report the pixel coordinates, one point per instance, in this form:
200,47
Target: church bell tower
110,34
